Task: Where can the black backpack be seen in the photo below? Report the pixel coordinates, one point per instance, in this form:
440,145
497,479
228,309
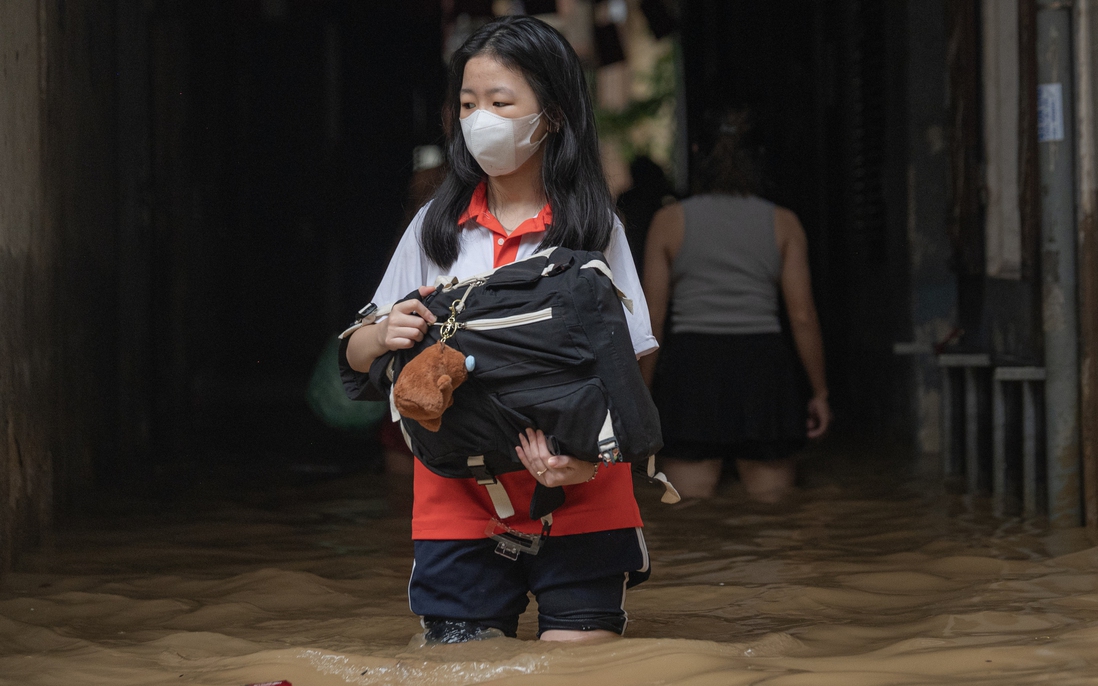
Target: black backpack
551,350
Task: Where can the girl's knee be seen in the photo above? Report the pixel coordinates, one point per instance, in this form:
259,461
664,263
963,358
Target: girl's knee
572,636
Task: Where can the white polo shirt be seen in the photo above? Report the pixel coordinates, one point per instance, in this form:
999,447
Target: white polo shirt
410,268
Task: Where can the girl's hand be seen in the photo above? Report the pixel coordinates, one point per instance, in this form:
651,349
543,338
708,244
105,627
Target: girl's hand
549,469
406,323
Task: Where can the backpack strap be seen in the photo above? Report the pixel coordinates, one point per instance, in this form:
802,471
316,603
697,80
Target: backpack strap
367,316
450,282
604,268
670,493
608,442
496,492
512,542
609,453
394,414
445,283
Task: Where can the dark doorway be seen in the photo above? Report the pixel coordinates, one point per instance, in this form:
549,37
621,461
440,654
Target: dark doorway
270,146
823,81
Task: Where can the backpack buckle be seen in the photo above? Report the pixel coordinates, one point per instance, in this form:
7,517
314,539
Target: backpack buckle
511,542
608,450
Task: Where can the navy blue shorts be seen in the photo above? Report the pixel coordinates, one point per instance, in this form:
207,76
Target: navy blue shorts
579,581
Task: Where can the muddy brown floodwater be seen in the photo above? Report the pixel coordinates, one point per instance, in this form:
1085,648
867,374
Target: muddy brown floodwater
872,575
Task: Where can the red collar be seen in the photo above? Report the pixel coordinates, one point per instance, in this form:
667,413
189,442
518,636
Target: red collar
478,212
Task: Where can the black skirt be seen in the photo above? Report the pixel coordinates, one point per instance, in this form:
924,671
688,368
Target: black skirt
730,390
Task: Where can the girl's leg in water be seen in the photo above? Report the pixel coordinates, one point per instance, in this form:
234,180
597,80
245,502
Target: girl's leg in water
580,583
465,591
565,636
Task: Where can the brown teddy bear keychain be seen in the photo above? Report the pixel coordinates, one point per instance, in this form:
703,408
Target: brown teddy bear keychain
425,387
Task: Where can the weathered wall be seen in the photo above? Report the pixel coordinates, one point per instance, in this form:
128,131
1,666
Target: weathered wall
933,297
80,191
57,265
27,257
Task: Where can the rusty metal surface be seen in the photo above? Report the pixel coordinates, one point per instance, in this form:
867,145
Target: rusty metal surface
1029,202
965,226
1088,363
1085,18
1058,274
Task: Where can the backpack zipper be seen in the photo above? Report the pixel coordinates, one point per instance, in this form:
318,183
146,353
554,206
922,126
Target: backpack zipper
505,322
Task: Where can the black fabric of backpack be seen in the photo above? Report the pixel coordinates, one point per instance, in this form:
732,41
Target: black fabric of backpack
560,360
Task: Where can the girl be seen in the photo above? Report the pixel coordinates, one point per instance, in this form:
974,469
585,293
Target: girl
524,175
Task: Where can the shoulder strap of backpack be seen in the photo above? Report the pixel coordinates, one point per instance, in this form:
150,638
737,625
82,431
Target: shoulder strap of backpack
604,268
496,492
447,283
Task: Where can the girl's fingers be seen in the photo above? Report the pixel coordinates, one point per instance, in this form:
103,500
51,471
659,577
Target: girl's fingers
548,469
543,446
532,455
414,307
421,309
410,322
413,332
523,451
530,442
538,442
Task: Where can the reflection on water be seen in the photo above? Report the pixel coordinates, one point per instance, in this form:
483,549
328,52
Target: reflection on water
872,576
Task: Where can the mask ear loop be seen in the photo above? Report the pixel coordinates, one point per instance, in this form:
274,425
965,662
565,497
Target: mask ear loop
554,124
551,127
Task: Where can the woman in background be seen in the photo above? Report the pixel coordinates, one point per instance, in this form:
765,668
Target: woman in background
726,384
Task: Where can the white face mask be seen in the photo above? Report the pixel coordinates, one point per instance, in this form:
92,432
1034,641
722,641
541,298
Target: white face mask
500,145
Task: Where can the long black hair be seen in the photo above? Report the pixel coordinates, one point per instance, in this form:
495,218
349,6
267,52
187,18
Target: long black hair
571,170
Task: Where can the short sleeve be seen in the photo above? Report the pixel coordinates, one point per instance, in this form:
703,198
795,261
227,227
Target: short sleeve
620,260
408,267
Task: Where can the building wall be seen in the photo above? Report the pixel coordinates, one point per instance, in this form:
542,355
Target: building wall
57,266
26,260
933,299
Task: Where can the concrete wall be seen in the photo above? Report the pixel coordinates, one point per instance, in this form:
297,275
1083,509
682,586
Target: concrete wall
57,265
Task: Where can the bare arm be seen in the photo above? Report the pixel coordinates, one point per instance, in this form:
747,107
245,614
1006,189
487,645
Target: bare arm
664,240
796,284
406,324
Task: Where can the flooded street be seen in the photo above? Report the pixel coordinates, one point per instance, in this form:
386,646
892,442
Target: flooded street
872,576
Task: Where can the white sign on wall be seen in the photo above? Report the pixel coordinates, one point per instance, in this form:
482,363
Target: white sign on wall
1050,112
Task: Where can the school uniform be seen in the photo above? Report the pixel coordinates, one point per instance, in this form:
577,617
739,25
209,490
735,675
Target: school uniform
596,547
